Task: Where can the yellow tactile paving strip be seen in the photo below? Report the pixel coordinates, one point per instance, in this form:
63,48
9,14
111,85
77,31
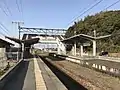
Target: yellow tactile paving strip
40,84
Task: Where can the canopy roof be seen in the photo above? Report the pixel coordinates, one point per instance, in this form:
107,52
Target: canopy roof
5,42
31,41
82,38
14,39
28,41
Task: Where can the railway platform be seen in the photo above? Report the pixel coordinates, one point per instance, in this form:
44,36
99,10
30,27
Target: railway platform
34,75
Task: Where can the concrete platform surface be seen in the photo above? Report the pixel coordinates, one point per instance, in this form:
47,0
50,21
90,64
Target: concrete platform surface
24,79
52,82
34,75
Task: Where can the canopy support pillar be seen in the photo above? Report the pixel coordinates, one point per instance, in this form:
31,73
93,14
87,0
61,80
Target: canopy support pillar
81,49
94,47
74,48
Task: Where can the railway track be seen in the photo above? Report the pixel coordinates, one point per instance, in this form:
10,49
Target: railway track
69,82
86,77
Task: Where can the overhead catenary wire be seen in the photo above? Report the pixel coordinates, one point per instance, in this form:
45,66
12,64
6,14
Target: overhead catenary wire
82,13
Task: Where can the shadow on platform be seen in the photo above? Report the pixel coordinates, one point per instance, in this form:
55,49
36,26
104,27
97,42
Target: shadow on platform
17,80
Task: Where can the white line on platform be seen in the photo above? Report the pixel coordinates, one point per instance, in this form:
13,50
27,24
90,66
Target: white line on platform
40,83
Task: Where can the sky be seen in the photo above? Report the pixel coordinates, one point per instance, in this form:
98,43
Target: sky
47,13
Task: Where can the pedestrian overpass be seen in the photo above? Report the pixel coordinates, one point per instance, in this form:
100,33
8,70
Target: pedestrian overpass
46,37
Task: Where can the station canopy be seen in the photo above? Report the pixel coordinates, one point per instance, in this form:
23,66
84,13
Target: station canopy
82,38
5,43
28,41
14,39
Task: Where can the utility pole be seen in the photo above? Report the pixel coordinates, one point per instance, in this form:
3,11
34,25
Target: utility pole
18,25
21,49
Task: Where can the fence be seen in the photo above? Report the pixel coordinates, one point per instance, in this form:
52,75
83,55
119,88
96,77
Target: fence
114,59
106,67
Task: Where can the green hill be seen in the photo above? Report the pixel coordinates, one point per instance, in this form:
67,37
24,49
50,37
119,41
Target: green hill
104,23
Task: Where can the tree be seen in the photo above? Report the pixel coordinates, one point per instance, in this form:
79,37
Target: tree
104,23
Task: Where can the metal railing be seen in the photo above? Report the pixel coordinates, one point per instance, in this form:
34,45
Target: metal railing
107,58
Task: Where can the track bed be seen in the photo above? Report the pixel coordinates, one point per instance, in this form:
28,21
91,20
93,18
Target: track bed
89,78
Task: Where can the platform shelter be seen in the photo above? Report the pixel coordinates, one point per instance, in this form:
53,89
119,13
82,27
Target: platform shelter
82,39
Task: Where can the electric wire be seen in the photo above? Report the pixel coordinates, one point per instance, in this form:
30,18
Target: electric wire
4,11
81,12
2,33
8,14
4,30
21,10
97,3
4,2
112,4
18,6
4,27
